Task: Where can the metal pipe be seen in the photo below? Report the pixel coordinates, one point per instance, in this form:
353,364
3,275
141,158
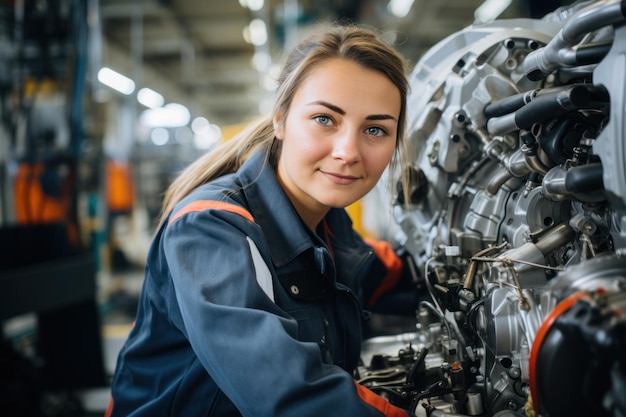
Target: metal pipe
559,51
544,106
555,238
536,165
560,183
498,180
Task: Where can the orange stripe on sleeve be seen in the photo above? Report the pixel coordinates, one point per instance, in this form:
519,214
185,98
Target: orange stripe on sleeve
109,409
392,262
379,403
210,204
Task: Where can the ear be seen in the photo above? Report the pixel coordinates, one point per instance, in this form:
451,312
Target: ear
279,126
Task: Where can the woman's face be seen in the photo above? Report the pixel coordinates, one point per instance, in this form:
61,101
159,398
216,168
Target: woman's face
338,137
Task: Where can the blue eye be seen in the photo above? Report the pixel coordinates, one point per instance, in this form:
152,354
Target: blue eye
323,120
375,131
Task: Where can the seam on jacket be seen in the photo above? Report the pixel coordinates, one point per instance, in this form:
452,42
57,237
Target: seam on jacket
180,382
202,205
263,274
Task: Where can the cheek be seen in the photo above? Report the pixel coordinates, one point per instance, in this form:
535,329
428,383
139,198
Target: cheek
378,160
304,145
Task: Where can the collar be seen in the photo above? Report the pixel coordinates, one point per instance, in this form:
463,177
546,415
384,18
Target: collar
286,234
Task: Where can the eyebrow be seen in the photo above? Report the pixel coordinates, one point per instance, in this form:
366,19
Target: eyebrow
342,112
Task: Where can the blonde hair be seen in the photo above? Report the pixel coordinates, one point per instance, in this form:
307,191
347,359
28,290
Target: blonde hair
353,43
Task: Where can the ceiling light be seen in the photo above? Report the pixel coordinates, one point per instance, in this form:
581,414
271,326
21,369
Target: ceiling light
171,115
246,34
490,10
261,61
116,81
209,137
400,8
160,136
255,5
199,125
258,32
150,98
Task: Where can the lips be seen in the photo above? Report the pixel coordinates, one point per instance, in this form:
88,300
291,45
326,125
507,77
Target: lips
340,179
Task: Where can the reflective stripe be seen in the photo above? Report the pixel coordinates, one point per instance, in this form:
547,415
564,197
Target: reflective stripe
263,274
379,403
211,204
109,409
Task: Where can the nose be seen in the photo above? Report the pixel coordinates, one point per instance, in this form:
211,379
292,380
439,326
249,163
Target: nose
346,146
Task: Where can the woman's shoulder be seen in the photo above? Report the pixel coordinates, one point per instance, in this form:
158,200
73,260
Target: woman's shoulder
221,195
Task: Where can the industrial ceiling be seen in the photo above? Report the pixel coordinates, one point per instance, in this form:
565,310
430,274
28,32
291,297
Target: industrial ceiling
194,52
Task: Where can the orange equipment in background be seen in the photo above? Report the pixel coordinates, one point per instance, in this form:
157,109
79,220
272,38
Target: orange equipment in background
34,204
120,190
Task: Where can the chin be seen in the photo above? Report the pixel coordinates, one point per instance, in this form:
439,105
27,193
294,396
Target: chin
340,202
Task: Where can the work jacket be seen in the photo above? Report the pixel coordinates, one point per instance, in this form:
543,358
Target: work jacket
246,311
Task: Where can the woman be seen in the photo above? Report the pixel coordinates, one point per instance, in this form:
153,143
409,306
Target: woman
256,282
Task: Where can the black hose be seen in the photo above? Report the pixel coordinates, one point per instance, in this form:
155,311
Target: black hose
509,104
560,136
515,102
548,104
552,105
592,53
584,178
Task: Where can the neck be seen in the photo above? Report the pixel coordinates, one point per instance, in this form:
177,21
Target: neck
312,220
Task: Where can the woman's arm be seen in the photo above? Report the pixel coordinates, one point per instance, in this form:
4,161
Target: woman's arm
247,344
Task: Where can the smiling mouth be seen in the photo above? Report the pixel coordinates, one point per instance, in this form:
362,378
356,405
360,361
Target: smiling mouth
340,179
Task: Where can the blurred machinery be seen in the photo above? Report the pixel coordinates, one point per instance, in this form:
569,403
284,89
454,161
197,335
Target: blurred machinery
517,222
46,267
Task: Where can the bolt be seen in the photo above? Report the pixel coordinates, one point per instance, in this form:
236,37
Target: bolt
434,154
514,372
532,45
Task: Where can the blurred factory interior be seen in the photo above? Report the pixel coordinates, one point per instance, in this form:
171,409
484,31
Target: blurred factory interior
102,102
